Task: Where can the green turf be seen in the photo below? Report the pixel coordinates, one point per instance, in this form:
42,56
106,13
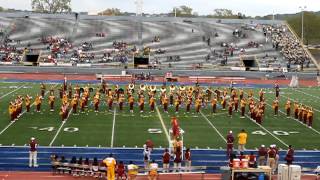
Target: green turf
131,129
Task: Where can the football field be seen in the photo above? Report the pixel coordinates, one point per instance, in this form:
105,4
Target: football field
124,129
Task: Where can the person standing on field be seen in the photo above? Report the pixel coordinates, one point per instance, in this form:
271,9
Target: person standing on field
33,153
242,140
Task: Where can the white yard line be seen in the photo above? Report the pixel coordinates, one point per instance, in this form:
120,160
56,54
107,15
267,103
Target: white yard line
306,93
163,125
12,122
62,124
210,123
293,118
113,126
12,91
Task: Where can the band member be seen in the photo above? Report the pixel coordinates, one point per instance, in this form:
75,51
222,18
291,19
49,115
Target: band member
296,109
12,111
300,113
198,104
241,94
230,107
43,89
165,103
121,101
70,91
152,103
224,102
104,86
236,103
261,94
28,102
259,113
243,104
275,106
171,98
64,111
288,107
96,101
51,102
37,102
305,114
131,102
51,90
214,104
77,90
61,92
82,103
19,102
130,89
188,104
310,116
177,104
141,103
110,101
74,104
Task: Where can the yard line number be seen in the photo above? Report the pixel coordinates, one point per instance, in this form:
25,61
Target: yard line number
50,129
278,133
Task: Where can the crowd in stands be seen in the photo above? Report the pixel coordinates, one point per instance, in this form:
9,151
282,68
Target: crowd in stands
290,47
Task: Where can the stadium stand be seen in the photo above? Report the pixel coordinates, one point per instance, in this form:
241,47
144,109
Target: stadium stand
198,43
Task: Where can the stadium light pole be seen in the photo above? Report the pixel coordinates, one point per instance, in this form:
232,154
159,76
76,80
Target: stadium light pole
302,8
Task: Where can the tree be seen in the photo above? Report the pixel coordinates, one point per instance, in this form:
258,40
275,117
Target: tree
182,11
111,12
1,9
223,13
51,6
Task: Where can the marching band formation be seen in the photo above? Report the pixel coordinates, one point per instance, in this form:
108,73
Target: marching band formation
190,98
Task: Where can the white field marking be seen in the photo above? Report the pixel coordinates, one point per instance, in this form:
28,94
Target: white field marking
62,124
113,126
306,93
12,122
267,131
210,123
162,123
294,100
12,91
293,118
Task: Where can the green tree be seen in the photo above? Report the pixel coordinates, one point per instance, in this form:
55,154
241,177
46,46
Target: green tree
111,12
223,13
51,6
1,9
183,11
311,27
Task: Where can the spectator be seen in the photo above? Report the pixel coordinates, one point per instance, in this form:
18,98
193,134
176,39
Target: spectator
252,160
262,153
242,140
121,171
230,140
153,170
95,167
110,162
187,159
33,153
132,171
271,162
290,155
177,160
166,160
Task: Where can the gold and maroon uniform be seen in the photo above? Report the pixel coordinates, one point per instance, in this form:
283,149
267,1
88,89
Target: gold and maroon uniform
243,104
152,103
121,101
275,106
261,93
43,89
177,104
224,102
198,104
110,102
288,107
37,102
310,117
165,103
28,102
296,110
96,101
131,102
51,102
74,104
236,103
214,105
230,107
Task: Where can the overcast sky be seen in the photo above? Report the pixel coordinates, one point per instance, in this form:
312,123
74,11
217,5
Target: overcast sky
248,7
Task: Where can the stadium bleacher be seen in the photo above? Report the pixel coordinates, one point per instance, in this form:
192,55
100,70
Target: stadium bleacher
204,43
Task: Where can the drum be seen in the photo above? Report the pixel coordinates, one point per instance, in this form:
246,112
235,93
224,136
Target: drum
244,163
236,163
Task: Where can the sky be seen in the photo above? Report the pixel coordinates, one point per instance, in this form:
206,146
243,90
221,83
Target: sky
202,7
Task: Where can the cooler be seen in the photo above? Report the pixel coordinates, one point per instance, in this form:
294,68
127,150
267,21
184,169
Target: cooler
244,163
236,163
283,172
294,172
